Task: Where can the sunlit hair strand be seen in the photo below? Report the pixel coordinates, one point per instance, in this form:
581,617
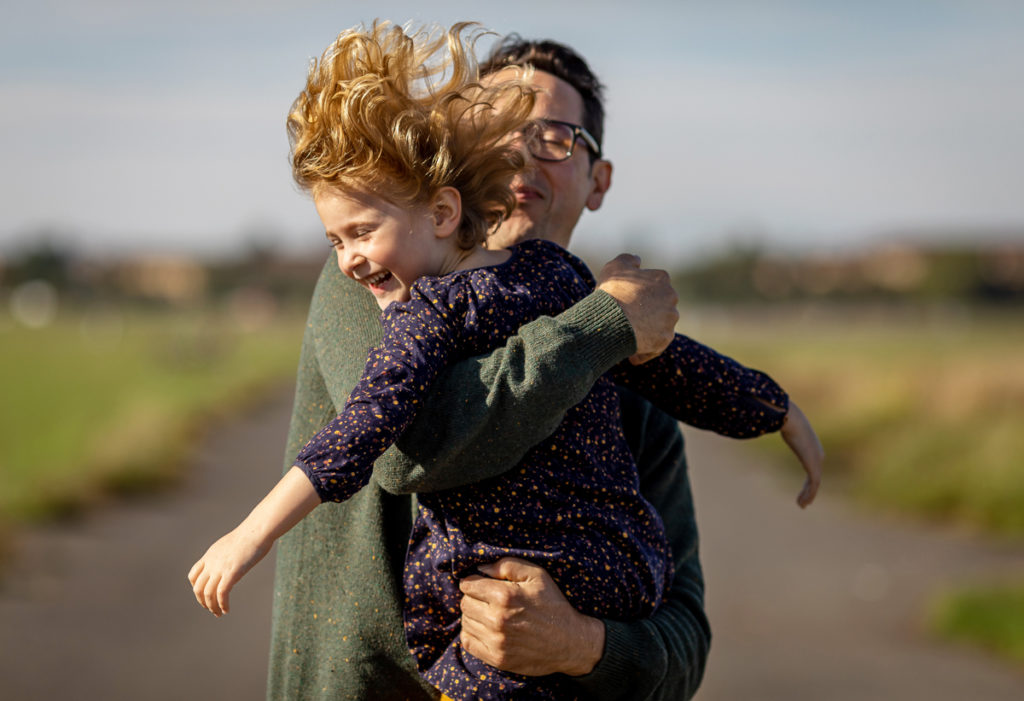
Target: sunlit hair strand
401,114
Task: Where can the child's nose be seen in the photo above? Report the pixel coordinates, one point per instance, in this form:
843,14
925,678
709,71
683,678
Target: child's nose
349,261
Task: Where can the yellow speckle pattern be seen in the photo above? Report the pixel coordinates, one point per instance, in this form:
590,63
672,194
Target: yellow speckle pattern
574,505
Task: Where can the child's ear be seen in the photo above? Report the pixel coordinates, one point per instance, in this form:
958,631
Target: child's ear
446,209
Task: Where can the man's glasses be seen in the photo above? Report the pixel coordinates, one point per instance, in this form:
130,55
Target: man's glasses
552,140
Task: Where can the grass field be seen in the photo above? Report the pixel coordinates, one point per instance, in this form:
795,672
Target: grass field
109,402
919,412
991,616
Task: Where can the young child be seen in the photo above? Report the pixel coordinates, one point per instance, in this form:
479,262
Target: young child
409,163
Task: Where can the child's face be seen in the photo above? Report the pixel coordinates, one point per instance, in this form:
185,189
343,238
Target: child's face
382,246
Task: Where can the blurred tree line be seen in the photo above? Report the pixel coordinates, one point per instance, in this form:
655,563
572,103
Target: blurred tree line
984,274
161,280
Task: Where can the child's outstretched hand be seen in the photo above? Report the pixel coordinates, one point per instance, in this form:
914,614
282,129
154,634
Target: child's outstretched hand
232,556
803,441
224,563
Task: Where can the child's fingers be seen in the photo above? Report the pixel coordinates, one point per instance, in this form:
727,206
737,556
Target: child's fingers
223,595
811,485
807,494
212,603
199,587
205,590
193,574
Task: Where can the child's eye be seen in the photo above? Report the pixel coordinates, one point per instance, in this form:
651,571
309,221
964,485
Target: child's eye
335,243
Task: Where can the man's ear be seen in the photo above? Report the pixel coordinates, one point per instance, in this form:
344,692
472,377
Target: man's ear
600,181
446,211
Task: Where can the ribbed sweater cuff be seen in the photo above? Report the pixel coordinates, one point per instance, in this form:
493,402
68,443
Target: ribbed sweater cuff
603,332
615,673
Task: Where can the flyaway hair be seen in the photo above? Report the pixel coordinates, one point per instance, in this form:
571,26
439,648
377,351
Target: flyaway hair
402,114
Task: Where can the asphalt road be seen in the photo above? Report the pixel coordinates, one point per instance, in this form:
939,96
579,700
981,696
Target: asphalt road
827,603
822,604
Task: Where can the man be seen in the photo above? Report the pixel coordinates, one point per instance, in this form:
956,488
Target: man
338,599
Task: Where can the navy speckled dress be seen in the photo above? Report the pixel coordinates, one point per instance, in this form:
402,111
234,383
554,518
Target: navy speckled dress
572,505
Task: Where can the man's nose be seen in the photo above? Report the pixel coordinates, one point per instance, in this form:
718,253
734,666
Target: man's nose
519,140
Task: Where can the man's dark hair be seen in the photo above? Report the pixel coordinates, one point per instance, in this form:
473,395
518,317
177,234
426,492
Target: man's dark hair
560,61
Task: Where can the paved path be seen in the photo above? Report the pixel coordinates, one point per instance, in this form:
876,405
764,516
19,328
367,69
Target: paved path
101,609
826,604
816,605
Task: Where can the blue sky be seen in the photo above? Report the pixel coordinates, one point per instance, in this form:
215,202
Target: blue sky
141,126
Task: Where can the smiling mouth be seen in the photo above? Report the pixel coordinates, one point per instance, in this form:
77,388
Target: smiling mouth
525,193
376,280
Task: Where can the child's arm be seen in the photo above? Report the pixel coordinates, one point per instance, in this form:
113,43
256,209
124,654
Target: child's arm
418,339
803,441
505,403
338,460
227,560
701,387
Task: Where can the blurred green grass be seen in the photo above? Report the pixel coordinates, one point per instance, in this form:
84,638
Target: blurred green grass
991,616
106,402
920,412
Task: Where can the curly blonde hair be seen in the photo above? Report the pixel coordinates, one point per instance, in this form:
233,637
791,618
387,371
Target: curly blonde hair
402,114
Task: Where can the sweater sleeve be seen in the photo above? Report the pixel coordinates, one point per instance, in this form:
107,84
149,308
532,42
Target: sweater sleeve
662,657
701,387
484,413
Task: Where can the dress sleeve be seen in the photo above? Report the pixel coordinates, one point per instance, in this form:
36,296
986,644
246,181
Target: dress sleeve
418,342
703,388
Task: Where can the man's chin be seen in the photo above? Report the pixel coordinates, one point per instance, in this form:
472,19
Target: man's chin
513,230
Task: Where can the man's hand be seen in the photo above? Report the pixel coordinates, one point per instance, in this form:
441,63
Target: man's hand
517,620
647,298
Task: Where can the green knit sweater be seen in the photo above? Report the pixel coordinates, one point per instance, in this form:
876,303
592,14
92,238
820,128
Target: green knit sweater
337,618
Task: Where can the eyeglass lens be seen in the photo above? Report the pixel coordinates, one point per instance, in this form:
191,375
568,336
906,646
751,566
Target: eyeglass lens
552,141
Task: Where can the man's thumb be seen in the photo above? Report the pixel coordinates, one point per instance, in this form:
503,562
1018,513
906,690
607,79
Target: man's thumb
509,569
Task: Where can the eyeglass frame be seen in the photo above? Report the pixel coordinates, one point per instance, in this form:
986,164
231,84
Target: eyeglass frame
578,132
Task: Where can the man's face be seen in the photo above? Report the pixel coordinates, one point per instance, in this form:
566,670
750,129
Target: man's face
550,197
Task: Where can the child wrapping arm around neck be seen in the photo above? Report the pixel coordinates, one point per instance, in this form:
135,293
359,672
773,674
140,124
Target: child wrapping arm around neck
408,157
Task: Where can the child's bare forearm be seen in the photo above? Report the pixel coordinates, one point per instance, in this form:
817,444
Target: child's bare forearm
285,505
803,441
226,561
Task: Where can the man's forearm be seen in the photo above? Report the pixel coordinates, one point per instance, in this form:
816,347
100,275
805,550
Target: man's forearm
660,658
484,413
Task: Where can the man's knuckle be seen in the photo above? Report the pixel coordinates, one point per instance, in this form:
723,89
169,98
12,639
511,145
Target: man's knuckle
502,619
502,598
